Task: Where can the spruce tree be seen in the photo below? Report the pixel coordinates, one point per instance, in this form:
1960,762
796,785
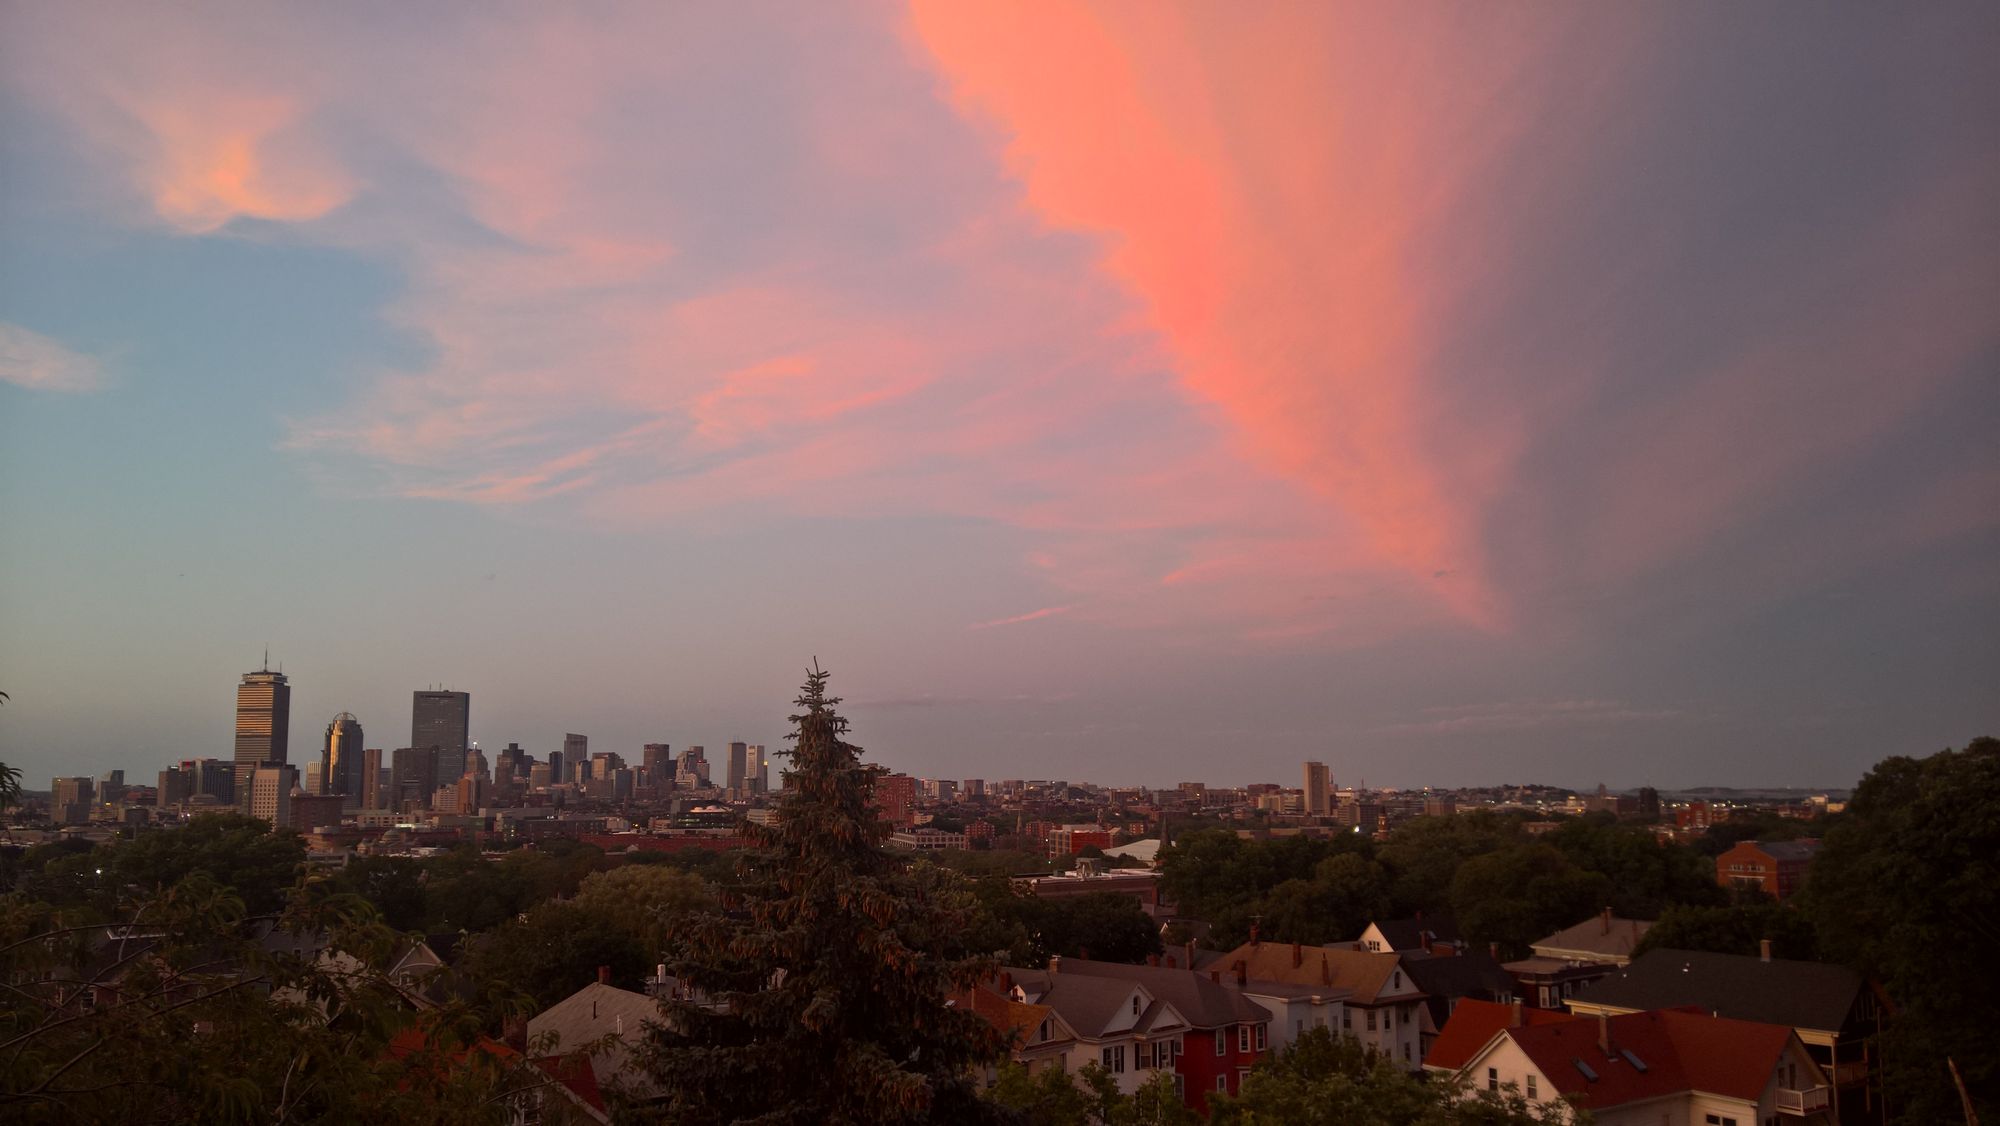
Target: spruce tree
819,988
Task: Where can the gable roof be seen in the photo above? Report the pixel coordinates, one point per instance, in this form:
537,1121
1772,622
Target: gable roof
1809,995
1601,937
1017,1019
1086,1003
1200,1001
1681,1051
591,1013
1473,1025
1365,974
1784,850
1408,934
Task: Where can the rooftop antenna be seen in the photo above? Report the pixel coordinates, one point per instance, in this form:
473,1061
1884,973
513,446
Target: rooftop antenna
267,657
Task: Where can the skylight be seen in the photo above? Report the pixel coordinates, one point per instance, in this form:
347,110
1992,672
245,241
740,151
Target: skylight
1632,1059
1588,1073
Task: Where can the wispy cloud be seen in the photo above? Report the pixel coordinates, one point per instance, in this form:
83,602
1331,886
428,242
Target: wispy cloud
29,359
1030,616
1527,715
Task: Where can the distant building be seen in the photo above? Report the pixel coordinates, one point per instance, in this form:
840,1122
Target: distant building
1776,868
1317,789
340,758
658,761
370,796
70,799
575,758
271,789
263,723
760,769
442,721
925,839
1072,839
739,766
896,797
413,772
1603,938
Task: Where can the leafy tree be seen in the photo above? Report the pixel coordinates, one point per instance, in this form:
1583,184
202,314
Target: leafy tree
1645,874
1737,929
1907,890
1423,855
1344,894
1519,894
243,853
394,884
1102,925
528,964
827,950
1050,1097
646,901
1327,1080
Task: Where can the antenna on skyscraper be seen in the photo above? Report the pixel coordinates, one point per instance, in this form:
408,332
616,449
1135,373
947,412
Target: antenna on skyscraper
267,658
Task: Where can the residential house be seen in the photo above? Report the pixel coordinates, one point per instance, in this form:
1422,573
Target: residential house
607,1021
1474,1023
1673,1067
1834,1012
1135,1021
1382,1006
1776,868
1420,933
1600,939
1447,979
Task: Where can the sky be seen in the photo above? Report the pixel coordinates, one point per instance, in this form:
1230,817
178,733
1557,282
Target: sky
1456,394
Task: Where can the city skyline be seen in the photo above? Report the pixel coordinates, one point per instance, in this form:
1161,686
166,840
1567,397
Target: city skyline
1447,395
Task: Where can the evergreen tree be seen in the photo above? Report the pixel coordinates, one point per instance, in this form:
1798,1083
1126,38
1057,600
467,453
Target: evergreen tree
820,985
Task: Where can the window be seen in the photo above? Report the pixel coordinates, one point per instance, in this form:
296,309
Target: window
1371,1020
1180,1087
1399,979
1221,1041
1118,1060
1374,946
1492,1078
1260,1037
1106,1060
1300,1030
1718,1120
1406,1051
1531,1086
1242,1037
1135,1004
1222,1082
1347,1019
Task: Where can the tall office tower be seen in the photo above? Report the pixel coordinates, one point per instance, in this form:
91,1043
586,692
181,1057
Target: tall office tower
658,759
271,787
739,766
370,795
175,787
760,770
340,759
315,778
576,754
475,766
263,723
414,771
975,789
538,775
510,764
693,771
556,765
213,777
440,720
1316,789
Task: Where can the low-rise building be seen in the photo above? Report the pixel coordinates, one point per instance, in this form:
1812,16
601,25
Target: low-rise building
1776,868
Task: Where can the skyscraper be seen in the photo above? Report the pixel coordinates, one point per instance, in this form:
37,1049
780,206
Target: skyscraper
371,778
760,770
658,759
576,758
340,759
441,720
414,777
263,724
739,766
271,787
1317,789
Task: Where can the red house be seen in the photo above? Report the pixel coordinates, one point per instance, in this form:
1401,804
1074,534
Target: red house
1777,868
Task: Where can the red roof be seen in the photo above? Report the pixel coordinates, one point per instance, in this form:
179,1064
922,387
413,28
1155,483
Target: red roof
1473,1023
1681,1051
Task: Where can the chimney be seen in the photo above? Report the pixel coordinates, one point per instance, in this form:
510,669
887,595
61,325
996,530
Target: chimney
1055,963
1604,1034
1298,955
1606,929
1764,949
604,975
1006,982
1514,1019
1254,928
1190,953
1242,973
1152,959
1173,963
1325,971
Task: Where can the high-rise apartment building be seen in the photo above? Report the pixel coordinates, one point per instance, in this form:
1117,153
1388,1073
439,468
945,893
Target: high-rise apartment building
263,723
1318,789
340,759
441,721
739,766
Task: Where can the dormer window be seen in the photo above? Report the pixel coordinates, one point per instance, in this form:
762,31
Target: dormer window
1399,979
1135,1004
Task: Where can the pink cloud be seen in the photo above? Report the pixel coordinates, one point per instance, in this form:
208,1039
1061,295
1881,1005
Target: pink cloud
1030,616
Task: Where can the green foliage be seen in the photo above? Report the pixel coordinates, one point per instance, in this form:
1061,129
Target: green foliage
831,951
1737,929
646,902
1217,876
468,892
1646,875
1047,1098
1516,896
1327,1080
525,965
1424,854
396,885
243,853
1907,890
1026,929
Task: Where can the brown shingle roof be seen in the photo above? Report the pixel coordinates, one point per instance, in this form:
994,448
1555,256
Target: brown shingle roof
1366,975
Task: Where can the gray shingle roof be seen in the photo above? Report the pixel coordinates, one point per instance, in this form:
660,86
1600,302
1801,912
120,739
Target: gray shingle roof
1805,995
